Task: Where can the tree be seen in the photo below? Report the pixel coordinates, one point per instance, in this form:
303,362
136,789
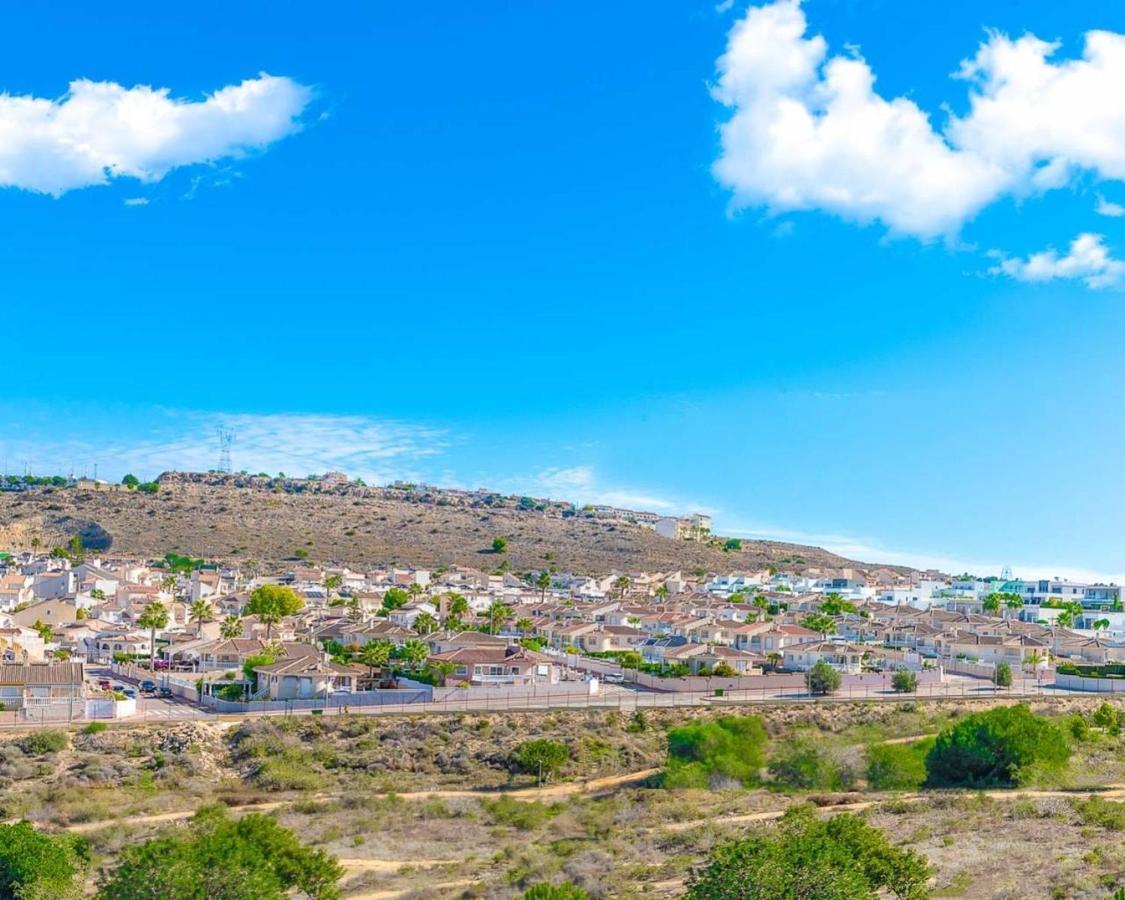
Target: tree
904,681
499,544
542,757
1100,624
375,655
661,592
543,582
131,481
395,598
498,614
36,542
1002,675
38,866
441,669
992,603
621,584
425,624
231,627
153,617
732,544
821,623
45,631
200,613
1012,601
414,590
996,748
332,583
835,605
547,891
703,754
414,653
822,678
272,603
248,858
841,858
775,659
523,625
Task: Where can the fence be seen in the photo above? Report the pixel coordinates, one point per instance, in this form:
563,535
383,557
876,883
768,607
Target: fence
1092,685
754,683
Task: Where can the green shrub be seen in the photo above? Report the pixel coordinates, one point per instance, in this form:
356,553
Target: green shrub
518,814
802,765
37,865
1101,812
842,858
995,748
822,679
95,728
541,757
564,891
1107,717
904,681
898,767
39,743
1002,675
709,754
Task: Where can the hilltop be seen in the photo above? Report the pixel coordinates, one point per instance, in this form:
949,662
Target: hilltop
333,520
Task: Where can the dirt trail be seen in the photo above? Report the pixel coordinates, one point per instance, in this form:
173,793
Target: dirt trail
355,866
549,792
1107,792
395,893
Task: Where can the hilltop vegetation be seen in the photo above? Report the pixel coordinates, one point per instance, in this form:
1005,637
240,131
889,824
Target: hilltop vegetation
359,526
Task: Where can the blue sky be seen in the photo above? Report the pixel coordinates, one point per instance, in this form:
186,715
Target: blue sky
659,254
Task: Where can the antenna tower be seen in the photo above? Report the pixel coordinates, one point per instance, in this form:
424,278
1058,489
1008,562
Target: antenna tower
226,438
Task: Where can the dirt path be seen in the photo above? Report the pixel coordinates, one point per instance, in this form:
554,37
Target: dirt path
355,866
395,893
549,792
1108,792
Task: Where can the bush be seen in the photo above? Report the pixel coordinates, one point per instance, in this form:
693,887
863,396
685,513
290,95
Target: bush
802,765
1002,675
37,865
541,757
564,891
95,728
708,754
39,743
217,856
1101,812
842,858
1105,716
995,748
517,814
822,679
898,767
904,681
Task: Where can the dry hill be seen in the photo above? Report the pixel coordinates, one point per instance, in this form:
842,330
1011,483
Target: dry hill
239,517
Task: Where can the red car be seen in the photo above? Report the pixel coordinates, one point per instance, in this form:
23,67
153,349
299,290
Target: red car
104,684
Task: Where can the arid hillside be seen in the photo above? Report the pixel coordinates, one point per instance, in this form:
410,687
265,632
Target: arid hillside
363,527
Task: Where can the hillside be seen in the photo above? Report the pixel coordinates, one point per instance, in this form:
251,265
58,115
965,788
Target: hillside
233,517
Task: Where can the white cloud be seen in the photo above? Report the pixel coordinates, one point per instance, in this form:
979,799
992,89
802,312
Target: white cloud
376,450
101,130
809,131
1088,260
581,484
136,201
1109,208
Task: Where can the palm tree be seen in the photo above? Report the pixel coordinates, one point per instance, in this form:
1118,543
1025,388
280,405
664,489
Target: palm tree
662,592
154,616
414,653
415,590
374,655
36,543
524,625
442,668
498,613
621,584
200,613
425,624
1100,624
543,582
775,659
168,584
231,627
991,603
1013,601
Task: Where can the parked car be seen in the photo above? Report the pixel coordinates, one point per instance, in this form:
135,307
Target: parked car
131,693
614,678
148,686
165,691
104,684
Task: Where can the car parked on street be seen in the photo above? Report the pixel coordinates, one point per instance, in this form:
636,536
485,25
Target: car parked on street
148,686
